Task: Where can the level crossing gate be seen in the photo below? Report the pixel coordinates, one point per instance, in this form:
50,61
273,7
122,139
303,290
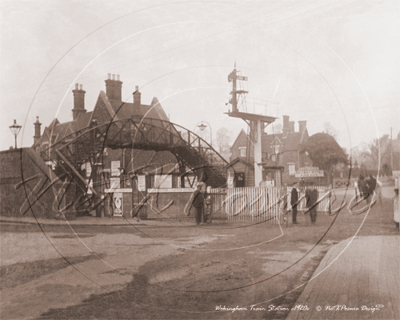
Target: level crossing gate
248,205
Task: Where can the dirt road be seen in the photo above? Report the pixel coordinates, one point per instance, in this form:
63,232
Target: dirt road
175,272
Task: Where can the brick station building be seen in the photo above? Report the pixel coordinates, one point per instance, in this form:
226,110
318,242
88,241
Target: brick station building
157,169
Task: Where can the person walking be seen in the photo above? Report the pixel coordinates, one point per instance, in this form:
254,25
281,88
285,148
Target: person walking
294,197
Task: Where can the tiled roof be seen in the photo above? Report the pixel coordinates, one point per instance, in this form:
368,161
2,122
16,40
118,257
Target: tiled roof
239,160
290,142
82,121
126,110
123,110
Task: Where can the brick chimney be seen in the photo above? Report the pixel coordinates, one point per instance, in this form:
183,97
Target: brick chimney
302,125
137,100
37,135
291,126
79,101
114,88
285,128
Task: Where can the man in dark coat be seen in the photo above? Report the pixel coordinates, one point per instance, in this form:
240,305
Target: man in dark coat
294,196
308,200
198,203
363,188
371,183
313,207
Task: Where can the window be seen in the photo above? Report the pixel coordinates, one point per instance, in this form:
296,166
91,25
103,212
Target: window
292,169
242,151
240,181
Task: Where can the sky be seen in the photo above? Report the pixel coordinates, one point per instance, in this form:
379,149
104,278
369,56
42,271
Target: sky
330,61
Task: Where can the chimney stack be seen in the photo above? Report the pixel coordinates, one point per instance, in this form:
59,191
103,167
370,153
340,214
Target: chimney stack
291,126
137,97
285,127
302,125
114,88
79,101
37,135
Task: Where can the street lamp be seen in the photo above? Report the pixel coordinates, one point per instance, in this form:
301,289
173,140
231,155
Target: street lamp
15,130
202,126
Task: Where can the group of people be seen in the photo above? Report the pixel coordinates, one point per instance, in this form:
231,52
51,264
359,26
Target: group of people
311,203
366,187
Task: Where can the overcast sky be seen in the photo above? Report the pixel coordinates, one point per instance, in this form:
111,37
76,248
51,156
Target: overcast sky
320,61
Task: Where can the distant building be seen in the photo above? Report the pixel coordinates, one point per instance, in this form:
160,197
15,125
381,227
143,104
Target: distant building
281,156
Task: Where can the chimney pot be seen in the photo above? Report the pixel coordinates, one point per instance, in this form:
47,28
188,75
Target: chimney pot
302,125
80,87
109,76
79,101
285,127
38,134
118,77
137,97
113,89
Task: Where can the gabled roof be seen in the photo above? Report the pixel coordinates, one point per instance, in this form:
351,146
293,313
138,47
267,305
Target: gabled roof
82,121
243,134
125,110
291,141
239,160
116,109
276,141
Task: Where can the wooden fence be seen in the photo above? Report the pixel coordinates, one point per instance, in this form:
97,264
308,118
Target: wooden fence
248,205
255,205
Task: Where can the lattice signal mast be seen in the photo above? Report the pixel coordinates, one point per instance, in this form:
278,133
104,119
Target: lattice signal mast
257,122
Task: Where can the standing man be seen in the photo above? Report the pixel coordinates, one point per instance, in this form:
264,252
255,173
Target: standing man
309,202
197,201
363,188
294,196
313,209
371,183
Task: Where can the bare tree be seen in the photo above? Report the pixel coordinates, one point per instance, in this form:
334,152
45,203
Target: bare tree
377,153
223,140
277,128
330,129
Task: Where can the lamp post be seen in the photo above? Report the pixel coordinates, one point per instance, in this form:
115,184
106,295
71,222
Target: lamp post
15,128
201,125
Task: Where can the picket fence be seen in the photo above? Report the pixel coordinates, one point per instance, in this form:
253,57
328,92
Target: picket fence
249,204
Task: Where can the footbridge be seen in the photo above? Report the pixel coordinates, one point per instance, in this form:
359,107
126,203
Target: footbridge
88,145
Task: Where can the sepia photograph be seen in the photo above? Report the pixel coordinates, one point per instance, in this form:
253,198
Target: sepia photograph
200,159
